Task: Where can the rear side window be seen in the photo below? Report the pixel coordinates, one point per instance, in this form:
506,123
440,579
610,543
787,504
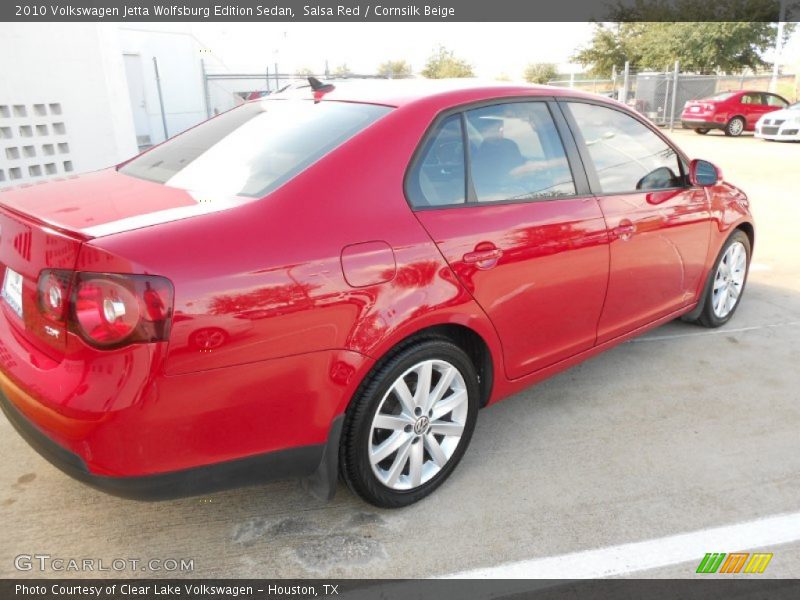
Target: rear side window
516,153
253,149
753,98
627,156
438,177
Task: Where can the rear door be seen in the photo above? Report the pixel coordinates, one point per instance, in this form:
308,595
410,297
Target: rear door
659,226
504,197
753,106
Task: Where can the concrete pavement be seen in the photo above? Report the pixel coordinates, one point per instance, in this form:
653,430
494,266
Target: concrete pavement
680,430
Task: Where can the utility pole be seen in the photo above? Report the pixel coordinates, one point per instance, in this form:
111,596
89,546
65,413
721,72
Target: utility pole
674,95
776,63
206,93
160,98
626,83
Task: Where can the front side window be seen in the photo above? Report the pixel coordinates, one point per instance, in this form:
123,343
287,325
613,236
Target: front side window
627,156
253,149
773,100
516,153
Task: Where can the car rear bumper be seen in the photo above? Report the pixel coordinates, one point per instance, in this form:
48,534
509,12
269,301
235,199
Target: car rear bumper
700,124
302,462
114,420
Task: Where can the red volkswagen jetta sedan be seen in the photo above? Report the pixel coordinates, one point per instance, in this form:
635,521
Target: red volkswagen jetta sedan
732,112
334,280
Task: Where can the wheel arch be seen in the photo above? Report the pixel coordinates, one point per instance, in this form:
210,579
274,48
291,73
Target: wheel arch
744,226
466,337
750,231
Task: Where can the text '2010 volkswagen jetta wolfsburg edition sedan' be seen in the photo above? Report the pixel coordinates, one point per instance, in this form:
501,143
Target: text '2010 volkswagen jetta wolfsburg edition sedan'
334,280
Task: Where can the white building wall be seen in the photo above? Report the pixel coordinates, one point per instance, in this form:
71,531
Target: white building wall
63,101
178,55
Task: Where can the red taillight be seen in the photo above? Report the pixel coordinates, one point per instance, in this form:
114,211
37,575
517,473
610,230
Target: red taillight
106,312
106,309
53,287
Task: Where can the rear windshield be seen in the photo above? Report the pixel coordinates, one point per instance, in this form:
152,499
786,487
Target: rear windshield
721,97
253,149
795,106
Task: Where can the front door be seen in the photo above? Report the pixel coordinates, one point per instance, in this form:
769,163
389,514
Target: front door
659,227
523,235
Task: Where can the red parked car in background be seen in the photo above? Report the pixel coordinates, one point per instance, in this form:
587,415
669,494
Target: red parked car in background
368,265
732,112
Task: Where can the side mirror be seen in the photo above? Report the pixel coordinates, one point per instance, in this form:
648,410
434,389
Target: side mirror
659,179
703,173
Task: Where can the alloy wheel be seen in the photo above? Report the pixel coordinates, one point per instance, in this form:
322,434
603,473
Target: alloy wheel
729,280
418,425
736,127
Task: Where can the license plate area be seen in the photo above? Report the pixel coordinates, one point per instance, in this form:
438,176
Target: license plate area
12,291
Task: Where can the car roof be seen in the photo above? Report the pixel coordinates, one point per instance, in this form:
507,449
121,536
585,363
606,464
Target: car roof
447,92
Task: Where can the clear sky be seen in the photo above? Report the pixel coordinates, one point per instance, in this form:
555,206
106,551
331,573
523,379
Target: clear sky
493,49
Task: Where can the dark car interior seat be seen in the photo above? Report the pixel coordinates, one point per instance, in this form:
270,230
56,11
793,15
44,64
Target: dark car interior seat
494,158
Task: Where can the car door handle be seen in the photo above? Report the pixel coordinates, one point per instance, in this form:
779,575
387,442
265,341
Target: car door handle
482,258
625,230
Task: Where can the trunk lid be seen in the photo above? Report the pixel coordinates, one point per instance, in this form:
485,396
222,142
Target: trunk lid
107,202
43,227
699,107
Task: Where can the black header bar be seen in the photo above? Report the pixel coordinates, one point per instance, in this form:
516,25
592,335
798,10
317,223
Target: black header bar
355,589
396,10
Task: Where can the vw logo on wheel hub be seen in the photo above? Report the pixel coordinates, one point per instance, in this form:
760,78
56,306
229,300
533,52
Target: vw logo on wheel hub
421,426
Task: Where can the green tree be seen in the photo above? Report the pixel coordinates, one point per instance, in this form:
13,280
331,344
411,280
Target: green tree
442,64
692,11
540,72
725,35
395,69
304,71
610,46
341,71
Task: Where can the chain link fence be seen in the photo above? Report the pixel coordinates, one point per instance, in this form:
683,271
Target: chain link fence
661,95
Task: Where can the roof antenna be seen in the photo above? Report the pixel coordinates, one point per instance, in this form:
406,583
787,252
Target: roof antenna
318,86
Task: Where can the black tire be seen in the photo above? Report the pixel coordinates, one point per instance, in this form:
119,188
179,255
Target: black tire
354,463
734,130
707,317
702,130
